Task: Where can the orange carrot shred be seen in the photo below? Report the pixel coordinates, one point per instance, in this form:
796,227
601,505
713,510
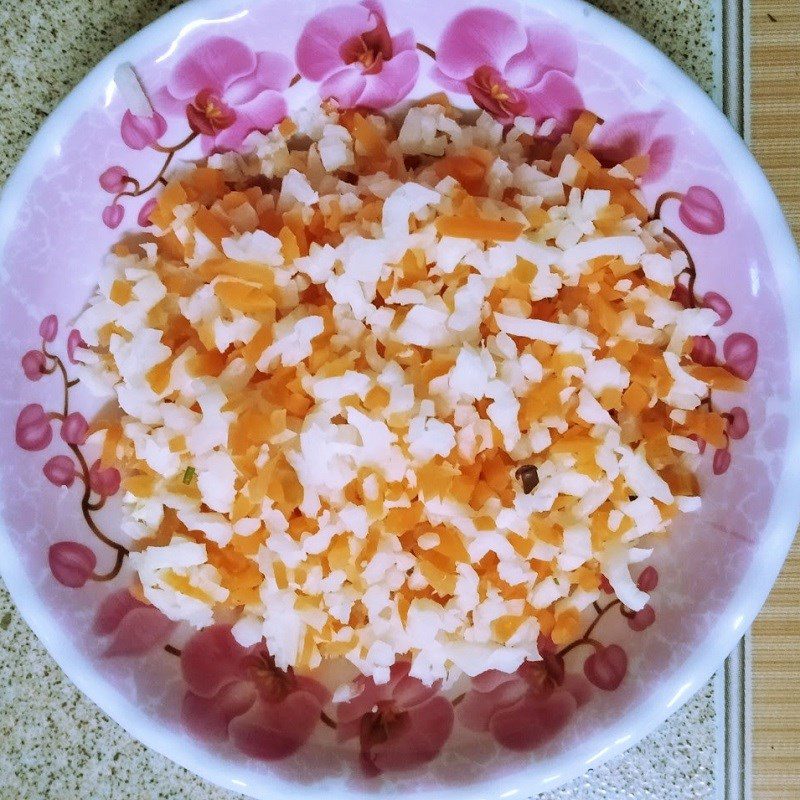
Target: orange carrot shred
494,230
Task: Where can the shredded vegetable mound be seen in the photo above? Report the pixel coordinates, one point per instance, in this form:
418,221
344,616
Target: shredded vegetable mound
400,388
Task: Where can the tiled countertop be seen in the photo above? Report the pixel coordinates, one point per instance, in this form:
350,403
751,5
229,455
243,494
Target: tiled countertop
54,743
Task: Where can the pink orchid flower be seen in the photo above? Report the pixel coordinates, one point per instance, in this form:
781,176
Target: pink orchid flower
524,709
60,471
141,132
227,91
71,563
48,328
510,70
33,431
134,627
635,135
105,481
400,724
33,364
348,49
74,428
239,695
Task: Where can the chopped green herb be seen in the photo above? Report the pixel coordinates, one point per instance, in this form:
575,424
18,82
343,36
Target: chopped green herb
188,475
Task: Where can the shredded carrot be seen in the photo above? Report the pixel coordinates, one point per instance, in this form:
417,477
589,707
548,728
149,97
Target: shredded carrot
494,230
467,171
158,376
365,132
121,292
583,127
717,377
637,165
269,349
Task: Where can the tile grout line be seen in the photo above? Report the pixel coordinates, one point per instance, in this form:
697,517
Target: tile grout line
736,705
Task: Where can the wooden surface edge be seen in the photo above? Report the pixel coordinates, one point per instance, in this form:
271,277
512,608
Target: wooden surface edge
775,126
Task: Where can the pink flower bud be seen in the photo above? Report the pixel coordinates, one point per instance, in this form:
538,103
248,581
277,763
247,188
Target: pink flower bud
113,215
643,619
701,211
741,354
74,428
140,132
680,294
60,471
74,341
113,180
719,304
704,351
104,481
72,564
648,580
738,424
48,327
144,212
721,462
33,431
33,364
606,667
701,443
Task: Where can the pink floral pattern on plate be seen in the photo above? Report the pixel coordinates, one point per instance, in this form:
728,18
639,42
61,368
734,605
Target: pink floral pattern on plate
357,61
238,694
510,70
400,724
208,98
631,135
226,91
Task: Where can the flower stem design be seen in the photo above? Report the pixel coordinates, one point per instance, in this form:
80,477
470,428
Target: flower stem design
58,364
326,720
662,199
586,638
72,563
429,51
691,270
170,153
701,212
